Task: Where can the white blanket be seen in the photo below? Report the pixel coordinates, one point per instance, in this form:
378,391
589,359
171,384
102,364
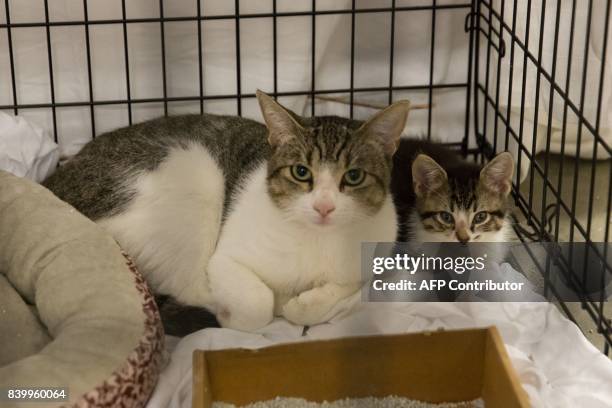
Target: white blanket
557,366
26,150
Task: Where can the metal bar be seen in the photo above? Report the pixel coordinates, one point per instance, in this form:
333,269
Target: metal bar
312,59
233,96
468,93
89,76
485,115
568,75
431,68
200,62
497,84
11,55
163,56
241,16
510,76
274,49
352,73
238,69
523,95
392,53
579,136
549,131
50,60
126,57
534,138
476,65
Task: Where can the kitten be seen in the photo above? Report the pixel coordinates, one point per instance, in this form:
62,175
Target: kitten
442,198
246,220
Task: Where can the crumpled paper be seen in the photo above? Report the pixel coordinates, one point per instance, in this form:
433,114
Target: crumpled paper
26,150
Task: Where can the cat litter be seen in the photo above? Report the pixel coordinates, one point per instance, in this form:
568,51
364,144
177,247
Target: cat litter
368,402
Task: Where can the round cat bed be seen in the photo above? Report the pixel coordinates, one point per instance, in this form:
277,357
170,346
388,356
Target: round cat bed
74,311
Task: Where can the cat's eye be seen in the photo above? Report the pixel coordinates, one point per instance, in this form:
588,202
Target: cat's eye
354,177
446,217
480,217
301,173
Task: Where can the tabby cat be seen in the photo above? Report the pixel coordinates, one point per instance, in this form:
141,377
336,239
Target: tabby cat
441,197
246,220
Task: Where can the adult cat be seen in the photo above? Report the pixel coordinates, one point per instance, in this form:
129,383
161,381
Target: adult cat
220,212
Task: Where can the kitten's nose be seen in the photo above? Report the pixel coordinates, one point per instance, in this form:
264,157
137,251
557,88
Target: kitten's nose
324,207
462,236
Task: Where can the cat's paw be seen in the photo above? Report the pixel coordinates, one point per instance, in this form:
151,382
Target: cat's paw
250,314
240,319
242,300
305,310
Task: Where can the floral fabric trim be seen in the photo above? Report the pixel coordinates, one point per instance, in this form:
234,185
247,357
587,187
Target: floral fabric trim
132,384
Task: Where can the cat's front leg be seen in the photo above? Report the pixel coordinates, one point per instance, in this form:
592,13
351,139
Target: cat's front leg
242,300
315,305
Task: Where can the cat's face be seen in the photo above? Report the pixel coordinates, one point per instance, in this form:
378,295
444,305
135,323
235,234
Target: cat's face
465,205
329,171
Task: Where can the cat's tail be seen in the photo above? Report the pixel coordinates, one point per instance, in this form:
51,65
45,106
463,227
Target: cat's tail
180,320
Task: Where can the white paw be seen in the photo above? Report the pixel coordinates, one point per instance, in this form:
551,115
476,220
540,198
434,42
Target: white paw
240,319
303,310
250,314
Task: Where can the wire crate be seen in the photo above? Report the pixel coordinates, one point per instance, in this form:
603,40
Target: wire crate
504,82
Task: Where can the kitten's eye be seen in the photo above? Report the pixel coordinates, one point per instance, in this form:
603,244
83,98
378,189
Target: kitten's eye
354,177
446,217
480,217
301,173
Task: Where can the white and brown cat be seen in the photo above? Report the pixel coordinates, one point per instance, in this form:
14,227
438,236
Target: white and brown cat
246,220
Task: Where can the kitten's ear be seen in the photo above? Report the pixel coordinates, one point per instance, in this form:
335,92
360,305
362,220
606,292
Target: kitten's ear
427,175
388,124
497,174
281,123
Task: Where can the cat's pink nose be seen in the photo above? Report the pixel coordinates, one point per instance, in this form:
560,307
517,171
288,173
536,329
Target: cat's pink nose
462,236
324,208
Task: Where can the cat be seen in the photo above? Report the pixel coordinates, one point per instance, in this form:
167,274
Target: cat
246,220
449,207
441,197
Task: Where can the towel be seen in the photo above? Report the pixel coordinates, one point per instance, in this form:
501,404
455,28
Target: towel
26,150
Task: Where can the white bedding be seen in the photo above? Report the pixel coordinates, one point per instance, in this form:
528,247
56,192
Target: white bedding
557,365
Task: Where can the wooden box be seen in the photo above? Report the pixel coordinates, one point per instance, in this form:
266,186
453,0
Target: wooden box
441,366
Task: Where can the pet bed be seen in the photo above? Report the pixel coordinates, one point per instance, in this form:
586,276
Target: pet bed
74,311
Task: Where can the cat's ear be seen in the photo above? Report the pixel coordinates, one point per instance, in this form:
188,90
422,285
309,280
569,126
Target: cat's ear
496,176
281,123
387,125
427,175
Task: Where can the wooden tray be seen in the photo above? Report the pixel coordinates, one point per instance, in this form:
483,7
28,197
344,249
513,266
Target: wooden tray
441,366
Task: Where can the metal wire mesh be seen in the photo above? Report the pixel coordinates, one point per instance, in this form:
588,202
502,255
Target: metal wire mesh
559,204
494,43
